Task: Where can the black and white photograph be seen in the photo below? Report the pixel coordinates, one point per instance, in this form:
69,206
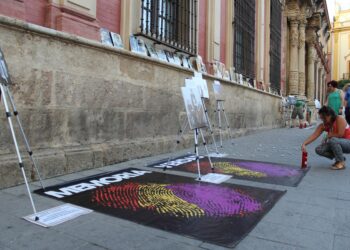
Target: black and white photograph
185,62
194,107
218,91
141,47
203,86
117,40
161,55
134,45
177,60
106,37
151,50
3,68
170,56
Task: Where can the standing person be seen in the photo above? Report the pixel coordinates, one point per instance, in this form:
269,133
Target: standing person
347,102
335,97
298,111
337,141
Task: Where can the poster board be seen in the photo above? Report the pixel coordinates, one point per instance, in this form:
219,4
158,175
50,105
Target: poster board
194,107
218,91
4,74
117,40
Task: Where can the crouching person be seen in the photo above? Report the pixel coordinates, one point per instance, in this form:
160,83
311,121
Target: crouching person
337,141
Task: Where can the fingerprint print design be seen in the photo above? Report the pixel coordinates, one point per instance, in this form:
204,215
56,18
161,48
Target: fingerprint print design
268,169
244,169
153,197
224,168
230,168
179,200
215,200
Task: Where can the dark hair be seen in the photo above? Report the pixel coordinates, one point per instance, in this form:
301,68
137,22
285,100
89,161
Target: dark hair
333,83
327,111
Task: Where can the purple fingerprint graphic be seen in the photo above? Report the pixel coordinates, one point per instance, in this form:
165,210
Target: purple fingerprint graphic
268,169
215,200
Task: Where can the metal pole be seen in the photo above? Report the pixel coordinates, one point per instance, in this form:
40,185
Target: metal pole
30,152
21,165
197,153
209,125
206,149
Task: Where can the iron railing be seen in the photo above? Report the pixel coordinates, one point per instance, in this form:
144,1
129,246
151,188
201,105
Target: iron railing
275,44
244,37
171,22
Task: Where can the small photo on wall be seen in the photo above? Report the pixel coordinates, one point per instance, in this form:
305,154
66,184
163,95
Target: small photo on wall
177,60
117,40
184,61
106,37
194,107
170,56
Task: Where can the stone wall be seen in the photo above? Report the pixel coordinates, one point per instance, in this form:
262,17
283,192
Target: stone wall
84,105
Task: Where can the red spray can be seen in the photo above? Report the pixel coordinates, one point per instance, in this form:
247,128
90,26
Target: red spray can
304,160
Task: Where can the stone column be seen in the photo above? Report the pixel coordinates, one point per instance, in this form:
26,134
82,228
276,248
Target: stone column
301,88
317,78
311,57
294,62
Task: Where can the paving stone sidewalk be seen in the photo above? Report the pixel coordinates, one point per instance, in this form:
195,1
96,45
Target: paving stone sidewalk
314,215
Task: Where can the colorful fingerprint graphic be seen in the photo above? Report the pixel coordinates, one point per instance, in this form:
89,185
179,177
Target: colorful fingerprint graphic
179,200
244,169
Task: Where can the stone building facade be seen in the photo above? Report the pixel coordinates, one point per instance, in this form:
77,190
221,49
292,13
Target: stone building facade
341,45
307,35
85,104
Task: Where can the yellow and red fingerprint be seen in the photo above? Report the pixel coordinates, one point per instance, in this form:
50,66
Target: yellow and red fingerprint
180,200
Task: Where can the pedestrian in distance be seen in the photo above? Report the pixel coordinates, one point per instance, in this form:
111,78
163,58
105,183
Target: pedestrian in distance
335,97
298,111
337,141
346,90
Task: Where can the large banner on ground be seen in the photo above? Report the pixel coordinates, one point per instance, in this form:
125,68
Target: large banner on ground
266,172
220,214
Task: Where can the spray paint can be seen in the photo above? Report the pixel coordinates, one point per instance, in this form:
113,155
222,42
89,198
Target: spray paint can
304,160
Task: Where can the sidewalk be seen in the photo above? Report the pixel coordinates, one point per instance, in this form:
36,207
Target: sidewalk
314,215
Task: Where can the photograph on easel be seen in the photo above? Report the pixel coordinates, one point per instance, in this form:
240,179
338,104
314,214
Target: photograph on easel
218,91
202,85
194,107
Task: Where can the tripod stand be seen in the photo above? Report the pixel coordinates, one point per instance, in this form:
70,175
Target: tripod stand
4,93
220,109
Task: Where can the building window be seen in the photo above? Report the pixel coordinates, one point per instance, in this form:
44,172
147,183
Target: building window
275,44
244,37
171,22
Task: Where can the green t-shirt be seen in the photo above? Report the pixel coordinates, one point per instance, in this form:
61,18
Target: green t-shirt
334,101
299,103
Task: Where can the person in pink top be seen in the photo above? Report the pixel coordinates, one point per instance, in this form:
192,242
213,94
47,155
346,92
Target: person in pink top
337,141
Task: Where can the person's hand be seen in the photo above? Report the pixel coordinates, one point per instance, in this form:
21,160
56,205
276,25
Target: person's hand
303,147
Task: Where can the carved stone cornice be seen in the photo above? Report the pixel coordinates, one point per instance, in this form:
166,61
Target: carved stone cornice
314,21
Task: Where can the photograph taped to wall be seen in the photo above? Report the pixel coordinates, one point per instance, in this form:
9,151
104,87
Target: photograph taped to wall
194,107
106,37
4,75
117,40
218,91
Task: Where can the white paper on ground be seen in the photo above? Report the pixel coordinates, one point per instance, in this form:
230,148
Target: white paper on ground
57,215
219,155
215,178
